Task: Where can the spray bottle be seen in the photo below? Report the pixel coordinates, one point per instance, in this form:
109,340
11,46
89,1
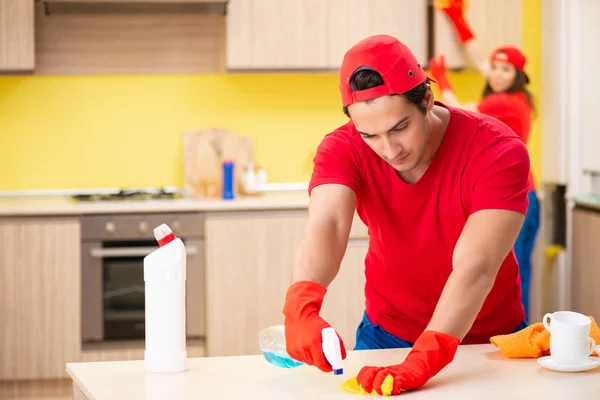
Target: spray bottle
164,276
332,349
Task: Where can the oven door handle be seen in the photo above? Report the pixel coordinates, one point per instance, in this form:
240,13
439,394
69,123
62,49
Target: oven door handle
132,251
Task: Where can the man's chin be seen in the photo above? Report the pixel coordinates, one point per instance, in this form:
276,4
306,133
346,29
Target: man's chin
402,167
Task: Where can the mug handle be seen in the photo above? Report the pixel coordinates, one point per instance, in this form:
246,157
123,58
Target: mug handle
546,320
592,345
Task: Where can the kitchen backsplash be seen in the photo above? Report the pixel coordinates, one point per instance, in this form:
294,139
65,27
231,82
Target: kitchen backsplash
122,131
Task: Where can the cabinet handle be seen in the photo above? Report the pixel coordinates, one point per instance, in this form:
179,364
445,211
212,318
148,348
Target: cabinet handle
132,251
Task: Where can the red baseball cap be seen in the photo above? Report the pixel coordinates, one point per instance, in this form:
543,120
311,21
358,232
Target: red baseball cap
386,55
512,56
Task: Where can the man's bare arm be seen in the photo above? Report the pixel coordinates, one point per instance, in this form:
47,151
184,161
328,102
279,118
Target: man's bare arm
330,215
486,239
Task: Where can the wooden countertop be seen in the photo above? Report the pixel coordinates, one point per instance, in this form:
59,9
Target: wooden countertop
478,372
62,205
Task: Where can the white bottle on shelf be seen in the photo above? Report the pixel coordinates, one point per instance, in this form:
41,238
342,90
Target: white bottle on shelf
164,276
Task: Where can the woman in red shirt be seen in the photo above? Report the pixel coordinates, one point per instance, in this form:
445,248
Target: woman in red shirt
505,98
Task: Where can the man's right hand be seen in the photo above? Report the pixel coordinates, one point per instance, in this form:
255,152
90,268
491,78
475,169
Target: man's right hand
303,325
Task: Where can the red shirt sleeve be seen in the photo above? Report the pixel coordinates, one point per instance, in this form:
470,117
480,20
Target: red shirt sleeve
509,109
336,162
499,175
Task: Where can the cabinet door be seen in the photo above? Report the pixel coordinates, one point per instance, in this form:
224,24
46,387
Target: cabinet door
276,34
40,297
344,303
249,260
494,22
586,262
16,35
353,20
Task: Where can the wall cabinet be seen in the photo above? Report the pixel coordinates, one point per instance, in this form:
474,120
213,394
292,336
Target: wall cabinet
135,1
40,310
494,22
274,34
352,20
249,260
315,34
17,51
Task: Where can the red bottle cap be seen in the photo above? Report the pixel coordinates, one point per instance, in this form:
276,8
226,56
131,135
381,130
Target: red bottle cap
163,235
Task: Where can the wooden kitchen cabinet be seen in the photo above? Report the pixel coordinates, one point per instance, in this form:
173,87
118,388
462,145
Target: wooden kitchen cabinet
136,1
352,20
40,280
344,303
17,39
586,262
315,34
275,34
494,22
249,260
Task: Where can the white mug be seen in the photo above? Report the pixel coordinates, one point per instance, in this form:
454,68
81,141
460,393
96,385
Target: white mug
570,343
571,352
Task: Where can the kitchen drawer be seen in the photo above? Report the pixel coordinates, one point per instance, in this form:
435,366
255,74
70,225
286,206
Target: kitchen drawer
140,226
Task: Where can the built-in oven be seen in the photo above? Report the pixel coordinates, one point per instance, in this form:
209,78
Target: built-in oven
113,251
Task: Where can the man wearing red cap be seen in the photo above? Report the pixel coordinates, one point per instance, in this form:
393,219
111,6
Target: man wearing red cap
443,193
506,98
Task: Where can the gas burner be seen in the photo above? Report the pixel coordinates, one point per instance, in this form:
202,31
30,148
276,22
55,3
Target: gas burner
131,195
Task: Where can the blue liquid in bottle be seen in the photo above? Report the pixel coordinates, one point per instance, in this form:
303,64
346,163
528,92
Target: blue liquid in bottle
280,361
272,344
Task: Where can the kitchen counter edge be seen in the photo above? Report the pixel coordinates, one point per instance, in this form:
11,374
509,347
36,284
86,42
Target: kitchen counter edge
63,206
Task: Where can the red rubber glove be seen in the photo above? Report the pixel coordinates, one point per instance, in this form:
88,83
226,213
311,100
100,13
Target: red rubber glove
455,10
437,68
430,354
303,325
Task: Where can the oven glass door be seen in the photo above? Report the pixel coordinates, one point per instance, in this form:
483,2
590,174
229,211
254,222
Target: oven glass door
123,289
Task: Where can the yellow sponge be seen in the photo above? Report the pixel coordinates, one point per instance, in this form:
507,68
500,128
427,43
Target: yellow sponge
352,386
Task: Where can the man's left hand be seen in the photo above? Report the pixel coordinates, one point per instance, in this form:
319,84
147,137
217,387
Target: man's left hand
430,354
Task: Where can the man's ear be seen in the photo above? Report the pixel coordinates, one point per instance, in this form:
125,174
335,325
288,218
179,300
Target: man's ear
428,99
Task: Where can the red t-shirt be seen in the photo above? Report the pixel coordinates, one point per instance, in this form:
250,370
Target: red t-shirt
514,110
413,228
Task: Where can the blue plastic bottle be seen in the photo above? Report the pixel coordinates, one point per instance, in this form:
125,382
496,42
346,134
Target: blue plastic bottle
228,180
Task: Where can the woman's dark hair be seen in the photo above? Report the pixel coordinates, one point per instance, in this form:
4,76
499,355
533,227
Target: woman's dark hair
518,85
367,78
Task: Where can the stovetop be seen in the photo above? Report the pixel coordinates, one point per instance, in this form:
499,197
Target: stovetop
132,195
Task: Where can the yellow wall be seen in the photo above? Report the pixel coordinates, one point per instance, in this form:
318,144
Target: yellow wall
121,131
77,132
532,47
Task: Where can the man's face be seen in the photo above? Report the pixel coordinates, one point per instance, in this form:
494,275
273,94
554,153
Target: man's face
394,128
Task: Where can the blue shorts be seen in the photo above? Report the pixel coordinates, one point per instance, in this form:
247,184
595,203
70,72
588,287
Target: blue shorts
370,336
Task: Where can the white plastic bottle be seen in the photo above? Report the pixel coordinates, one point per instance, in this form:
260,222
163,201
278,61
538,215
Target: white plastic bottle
164,276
